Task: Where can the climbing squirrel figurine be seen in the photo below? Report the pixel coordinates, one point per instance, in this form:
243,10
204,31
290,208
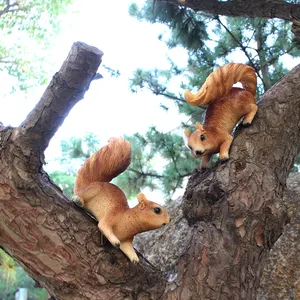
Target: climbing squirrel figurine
226,106
108,203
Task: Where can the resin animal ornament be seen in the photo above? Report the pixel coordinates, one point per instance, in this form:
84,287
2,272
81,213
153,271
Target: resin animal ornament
226,106
108,203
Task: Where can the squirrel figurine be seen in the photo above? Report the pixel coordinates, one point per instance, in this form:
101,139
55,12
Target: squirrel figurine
226,106
108,203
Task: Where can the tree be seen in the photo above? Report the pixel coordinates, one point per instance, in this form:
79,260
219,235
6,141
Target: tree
210,41
23,20
234,210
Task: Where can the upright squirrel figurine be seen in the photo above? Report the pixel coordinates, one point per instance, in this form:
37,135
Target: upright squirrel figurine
108,203
226,106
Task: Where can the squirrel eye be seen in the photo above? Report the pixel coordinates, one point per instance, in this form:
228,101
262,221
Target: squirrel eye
157,210
202,137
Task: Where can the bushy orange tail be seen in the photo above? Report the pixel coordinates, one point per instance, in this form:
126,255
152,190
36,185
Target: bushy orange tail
219,83
107,163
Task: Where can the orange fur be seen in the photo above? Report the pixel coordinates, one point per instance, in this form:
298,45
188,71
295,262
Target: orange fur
220,82
227,105
108,203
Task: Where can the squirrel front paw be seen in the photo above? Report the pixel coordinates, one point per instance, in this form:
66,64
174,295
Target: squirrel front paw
246,124
114,241
127,248
108,233
224,158
134,259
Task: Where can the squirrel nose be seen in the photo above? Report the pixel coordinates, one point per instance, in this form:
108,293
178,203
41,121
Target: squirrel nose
167,223
199,152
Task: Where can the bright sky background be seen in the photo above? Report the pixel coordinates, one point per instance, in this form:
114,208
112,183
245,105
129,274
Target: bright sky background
109,108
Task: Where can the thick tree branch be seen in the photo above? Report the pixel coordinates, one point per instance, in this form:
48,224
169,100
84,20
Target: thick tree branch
53,239
282,270
237,207
64,91
243,48
273,139
243,8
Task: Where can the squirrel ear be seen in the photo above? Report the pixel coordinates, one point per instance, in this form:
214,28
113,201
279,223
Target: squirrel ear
199,126
142,200
187,133
141,197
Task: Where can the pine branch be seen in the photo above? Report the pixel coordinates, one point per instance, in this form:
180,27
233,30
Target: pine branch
154,175
170,97
243,48
10,8
172,158
144,174
275,59
161,92
2,61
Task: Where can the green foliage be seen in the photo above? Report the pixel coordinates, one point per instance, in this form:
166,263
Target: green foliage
159,161
12,277
210,41
185,26
78,148
64,181
27,25
73,153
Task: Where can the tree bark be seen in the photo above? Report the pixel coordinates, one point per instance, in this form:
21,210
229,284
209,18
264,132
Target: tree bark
237,208
280,278
268,9
281,272
234,211
244,8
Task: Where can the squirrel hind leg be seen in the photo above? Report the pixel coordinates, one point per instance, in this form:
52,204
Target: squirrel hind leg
128,250
248,118
108,232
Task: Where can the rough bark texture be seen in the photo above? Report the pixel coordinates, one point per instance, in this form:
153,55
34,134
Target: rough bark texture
244,8
164,247
237,208
248,8
281,273
232,213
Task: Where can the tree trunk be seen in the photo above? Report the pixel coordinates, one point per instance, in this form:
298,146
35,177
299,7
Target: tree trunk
280,278
233,212
281,272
